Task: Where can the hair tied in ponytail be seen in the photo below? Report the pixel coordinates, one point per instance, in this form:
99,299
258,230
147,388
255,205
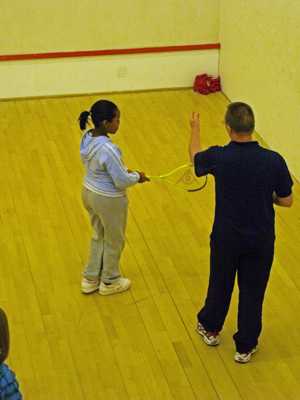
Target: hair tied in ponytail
83,118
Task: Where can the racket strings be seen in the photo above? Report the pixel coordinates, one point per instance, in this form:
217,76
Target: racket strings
187,178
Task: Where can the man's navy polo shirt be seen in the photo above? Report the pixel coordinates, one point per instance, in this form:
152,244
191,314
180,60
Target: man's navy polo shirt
246,175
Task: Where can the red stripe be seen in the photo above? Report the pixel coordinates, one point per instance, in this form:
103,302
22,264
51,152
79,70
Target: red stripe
93,53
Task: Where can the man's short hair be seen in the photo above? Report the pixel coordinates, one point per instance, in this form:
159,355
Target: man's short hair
240,118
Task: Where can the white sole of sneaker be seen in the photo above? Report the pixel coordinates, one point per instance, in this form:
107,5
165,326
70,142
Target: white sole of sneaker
109,292
206,340
89,291
245,360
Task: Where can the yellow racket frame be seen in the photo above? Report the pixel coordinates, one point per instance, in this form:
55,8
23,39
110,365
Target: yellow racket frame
164,177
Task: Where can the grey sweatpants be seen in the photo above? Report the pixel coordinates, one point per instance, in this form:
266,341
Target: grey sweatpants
108,216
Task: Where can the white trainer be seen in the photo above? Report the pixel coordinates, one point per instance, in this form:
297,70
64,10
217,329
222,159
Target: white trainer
210,338
243,358
119,286
89,286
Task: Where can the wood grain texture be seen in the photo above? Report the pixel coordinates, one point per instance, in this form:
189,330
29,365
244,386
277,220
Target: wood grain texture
140,344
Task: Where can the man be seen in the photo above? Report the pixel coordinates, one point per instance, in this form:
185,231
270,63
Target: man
249,179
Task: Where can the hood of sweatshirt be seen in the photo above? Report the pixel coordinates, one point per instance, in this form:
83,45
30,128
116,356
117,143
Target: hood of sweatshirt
90,145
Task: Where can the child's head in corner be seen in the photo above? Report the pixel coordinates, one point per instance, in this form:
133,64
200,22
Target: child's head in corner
4,337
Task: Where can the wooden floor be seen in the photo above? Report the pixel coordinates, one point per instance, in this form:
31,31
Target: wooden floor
140,344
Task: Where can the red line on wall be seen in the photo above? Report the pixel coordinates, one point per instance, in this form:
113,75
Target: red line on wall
113,52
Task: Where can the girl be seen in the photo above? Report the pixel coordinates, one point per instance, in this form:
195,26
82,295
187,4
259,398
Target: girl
9,388
104,197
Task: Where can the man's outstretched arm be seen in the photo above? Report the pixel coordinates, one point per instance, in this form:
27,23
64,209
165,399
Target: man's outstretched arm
194,146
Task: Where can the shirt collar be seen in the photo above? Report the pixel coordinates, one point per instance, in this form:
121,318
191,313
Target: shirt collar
244,144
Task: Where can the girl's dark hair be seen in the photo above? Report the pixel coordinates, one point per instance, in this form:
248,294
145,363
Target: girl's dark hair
240,118
4,336
102,110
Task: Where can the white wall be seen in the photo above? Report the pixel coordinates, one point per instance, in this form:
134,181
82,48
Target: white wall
104,74
260,64
36,26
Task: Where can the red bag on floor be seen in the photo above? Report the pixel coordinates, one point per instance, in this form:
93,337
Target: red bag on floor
206,84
